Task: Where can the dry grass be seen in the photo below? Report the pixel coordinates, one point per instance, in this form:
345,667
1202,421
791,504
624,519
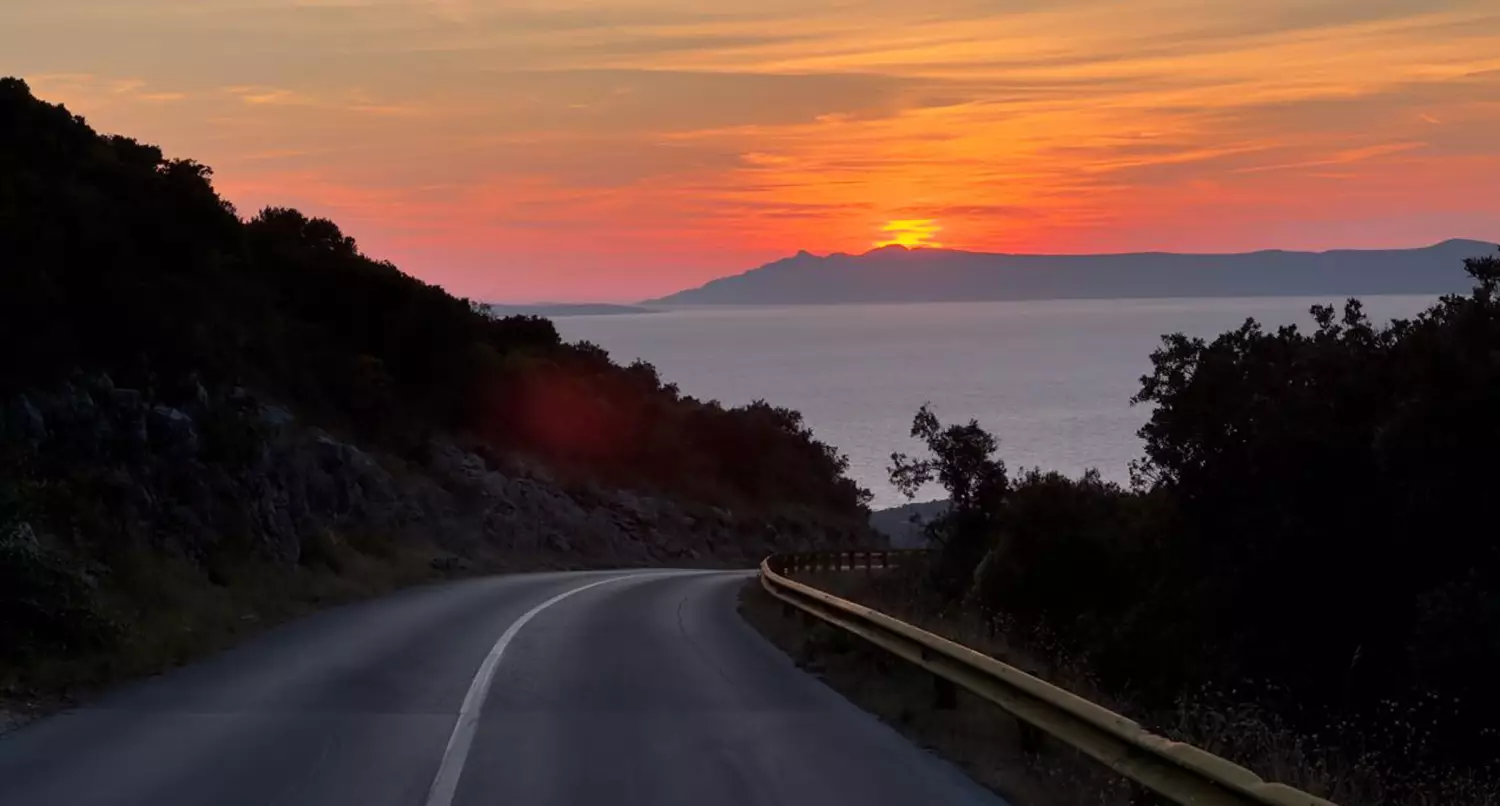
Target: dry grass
1215,721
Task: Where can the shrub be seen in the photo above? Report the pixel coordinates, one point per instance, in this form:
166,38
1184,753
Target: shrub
47,604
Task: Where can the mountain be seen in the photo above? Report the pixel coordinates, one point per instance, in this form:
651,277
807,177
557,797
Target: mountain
550,310
896,274
904,525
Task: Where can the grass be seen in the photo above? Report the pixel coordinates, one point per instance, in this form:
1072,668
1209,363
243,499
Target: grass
981,737
168,610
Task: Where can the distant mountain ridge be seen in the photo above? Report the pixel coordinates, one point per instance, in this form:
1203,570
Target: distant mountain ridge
905,525
896,274
554,309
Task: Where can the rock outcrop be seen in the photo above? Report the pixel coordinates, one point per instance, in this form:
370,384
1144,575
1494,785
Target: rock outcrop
200,470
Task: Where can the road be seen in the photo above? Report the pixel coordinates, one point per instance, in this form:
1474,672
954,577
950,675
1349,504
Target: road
559,689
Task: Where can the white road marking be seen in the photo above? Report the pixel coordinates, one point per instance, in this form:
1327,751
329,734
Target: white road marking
446,783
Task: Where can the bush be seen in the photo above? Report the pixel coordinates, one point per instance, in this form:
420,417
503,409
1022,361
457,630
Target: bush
47,604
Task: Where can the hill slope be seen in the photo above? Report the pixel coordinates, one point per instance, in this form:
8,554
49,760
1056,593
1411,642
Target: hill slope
212,423
896,274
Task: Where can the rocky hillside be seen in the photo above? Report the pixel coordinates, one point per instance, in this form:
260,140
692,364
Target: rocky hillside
235,469
216,422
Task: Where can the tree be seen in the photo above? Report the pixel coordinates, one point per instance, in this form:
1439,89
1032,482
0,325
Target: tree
1333,488
961,459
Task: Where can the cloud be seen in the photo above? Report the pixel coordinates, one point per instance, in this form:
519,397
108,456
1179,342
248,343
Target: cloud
477,141
268,96
1343,157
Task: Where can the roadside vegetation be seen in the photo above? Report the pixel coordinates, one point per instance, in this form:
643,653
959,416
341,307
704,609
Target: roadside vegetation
1304,575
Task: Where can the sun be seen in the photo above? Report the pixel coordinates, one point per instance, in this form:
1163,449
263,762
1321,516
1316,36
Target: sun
911,233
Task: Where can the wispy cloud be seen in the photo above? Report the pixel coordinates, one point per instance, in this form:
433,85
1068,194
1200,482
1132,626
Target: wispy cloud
258,96
1345,157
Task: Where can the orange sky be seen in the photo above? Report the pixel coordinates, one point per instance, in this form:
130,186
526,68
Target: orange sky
559,149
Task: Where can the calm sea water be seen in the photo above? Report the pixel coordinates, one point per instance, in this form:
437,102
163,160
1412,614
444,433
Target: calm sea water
1052,379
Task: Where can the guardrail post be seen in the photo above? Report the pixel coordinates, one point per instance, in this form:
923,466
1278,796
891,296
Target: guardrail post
1031,738
944,694
885,559
1141,796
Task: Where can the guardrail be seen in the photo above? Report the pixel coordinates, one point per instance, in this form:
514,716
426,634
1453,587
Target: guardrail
1162,771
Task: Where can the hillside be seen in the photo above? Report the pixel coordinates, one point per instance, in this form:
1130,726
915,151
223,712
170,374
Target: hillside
905,525
896,274
212,423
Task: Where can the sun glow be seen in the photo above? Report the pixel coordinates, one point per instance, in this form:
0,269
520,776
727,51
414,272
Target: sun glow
910,233
619,151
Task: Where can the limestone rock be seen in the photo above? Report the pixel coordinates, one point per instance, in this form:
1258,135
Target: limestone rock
172,432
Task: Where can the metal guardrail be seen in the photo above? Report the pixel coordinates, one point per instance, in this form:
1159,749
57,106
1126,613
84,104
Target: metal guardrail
1163,771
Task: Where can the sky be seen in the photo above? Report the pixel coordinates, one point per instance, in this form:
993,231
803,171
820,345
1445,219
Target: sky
528,150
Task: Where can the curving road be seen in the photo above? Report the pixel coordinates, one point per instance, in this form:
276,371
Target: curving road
569,688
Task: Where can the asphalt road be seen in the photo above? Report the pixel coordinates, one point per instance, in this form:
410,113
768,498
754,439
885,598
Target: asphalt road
580,688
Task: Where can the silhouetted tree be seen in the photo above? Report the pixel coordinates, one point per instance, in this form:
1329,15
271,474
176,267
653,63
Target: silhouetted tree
962,459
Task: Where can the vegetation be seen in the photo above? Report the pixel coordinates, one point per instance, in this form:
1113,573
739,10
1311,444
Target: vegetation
122,260
1307,538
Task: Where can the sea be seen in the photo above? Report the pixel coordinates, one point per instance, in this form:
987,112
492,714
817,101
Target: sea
1051,379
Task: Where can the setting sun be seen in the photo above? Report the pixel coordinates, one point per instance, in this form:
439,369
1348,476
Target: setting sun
911,233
